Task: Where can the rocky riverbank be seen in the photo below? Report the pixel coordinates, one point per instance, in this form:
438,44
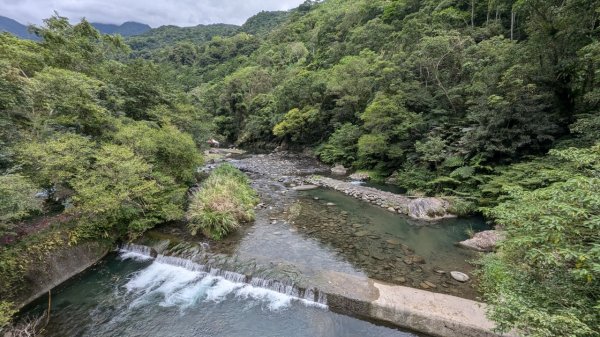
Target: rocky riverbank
418,208
281,165
296,171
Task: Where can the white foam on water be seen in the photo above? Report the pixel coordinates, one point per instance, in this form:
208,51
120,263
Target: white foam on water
177,286
221,288
159,279
275,300
129,255
190,295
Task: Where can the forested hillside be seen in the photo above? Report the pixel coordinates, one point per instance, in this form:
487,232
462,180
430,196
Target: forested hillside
456,98
111,146
495,103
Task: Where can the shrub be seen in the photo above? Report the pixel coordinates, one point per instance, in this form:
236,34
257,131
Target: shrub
6,312
414,177
461,206
342,146
17,200
545,276
223,203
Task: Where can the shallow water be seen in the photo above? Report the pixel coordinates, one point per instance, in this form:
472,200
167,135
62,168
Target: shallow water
358,238
132,295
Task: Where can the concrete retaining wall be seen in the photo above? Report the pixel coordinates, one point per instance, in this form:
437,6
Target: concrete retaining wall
57,267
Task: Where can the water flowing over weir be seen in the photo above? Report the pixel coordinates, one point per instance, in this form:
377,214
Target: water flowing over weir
132,294
223,281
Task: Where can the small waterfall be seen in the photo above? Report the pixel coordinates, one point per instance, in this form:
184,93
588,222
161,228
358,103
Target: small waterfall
138,249
137,252
310,296
229,275
180,262
280,287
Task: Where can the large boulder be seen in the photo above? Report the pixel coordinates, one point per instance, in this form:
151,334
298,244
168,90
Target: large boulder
485,241
339,170
428,208
360,176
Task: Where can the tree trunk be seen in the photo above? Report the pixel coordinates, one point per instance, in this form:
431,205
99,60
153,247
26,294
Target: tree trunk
49,306
512,23
487,18
472,13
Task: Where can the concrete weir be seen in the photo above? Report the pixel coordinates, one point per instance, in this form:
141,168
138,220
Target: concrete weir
418,310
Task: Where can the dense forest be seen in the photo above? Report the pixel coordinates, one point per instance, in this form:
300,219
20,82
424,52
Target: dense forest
494,103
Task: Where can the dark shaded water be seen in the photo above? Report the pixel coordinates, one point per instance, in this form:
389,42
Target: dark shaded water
382,186
131,296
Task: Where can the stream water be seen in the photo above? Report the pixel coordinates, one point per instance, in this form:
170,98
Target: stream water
354,237
132,295
257,282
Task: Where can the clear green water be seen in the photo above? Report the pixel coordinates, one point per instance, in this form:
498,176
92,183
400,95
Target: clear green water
384,187
358,238
137,297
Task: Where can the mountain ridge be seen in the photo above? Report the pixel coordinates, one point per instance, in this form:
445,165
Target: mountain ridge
129,28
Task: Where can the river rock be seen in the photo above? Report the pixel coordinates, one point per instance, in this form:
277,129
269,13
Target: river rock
417,259
361,233
359,176
339,170
485,241
305,187
429,284
461,277
393,242
428,208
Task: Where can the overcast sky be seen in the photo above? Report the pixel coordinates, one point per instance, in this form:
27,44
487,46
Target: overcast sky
153,12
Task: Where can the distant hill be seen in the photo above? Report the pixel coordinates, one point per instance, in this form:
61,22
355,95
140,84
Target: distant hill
129,28
126,29
264,22
15,28
168,35
155,40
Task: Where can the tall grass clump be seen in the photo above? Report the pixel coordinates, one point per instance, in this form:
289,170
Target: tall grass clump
224,201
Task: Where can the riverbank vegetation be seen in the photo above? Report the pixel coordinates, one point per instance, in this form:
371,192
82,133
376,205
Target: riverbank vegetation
223,203
494,102
92,147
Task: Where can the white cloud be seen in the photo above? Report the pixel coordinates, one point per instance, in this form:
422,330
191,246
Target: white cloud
153,12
